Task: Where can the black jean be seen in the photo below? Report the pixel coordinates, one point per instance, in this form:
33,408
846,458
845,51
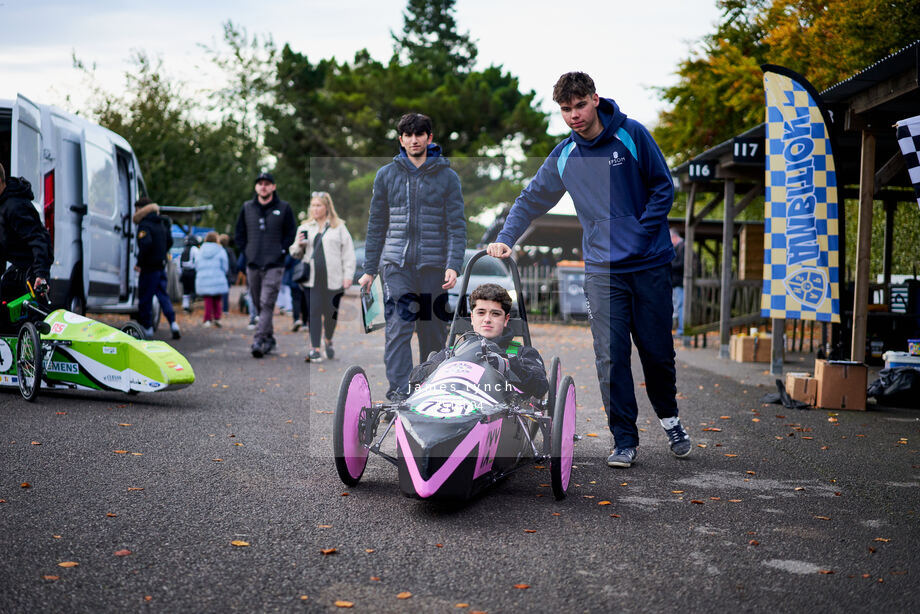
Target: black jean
324,312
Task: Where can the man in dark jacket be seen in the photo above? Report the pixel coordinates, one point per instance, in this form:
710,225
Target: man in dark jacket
491,311
622,189
264,231
154,238
417,232
24,241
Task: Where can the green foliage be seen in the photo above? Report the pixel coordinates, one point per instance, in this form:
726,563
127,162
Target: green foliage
332,124
430,40
720,89
184,161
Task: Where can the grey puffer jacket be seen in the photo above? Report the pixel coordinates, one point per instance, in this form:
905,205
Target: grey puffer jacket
419,210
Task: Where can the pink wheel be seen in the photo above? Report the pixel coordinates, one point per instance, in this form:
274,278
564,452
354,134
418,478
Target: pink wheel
563,438
350,418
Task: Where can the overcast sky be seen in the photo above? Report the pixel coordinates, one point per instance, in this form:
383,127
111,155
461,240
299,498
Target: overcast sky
626,46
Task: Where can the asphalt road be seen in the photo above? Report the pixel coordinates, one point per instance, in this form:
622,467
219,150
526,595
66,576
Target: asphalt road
775,510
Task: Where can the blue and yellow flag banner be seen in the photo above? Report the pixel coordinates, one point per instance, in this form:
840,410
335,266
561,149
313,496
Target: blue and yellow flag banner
801,267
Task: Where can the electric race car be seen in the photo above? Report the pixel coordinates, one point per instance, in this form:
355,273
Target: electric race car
466,427
40,348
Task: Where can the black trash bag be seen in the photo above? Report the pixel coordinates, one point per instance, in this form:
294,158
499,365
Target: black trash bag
781,396
897,387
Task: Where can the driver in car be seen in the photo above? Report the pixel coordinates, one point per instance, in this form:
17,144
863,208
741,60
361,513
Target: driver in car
491,311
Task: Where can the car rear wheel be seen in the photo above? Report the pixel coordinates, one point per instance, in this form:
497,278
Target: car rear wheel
562,446
348,424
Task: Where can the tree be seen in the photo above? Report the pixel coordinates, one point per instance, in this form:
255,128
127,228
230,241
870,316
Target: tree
184,161
331,125
719,92
430,40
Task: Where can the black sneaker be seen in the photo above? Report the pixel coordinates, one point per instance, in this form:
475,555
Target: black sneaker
258,351
269,344
622,457
678,440
396,396
313,356
330,351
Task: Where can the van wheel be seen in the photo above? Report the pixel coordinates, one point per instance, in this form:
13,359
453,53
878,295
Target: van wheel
77,305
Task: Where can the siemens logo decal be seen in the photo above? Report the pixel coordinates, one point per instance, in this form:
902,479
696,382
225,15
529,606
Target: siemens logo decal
801,233
63,367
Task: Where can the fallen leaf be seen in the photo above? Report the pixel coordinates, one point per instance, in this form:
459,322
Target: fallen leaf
696,501
51,577
701,445
327,551
462,605
603,502
344,604
826,571
36,443
530,530
135,488
712,428
404,595
798,488
614,515
375,579
539,467
324,526
304,597
715,498
239,543
823,517
439,545
25,485
556,514
754,542
137,454
68,564
217,460
111,515
677,492
61,413
56,536
148,598
734,500
121,451
751,472
731,455
624,484
882,539
590,434
522,586
122,552
369,550
724,417
125,424
344,494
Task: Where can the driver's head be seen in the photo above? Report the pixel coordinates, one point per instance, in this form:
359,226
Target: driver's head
491,310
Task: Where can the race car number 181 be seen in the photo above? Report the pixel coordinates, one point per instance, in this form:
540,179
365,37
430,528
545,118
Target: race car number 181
445,408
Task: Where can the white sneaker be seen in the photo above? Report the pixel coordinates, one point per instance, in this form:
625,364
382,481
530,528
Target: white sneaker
208,324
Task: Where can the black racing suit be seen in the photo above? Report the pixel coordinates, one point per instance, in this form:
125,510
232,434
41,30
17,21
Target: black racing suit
526,364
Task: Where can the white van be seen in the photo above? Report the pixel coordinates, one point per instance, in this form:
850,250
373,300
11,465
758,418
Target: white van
85,180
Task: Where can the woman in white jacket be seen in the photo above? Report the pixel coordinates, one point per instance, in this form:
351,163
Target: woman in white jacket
324,242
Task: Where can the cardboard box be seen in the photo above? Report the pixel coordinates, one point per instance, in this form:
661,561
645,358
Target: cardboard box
841,384
802,387
742,348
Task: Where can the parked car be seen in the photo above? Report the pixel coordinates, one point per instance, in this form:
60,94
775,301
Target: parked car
85,179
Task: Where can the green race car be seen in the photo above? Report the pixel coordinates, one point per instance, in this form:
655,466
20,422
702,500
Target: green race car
63,350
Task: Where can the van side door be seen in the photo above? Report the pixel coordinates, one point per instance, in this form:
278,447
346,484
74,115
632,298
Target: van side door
25,160
102,224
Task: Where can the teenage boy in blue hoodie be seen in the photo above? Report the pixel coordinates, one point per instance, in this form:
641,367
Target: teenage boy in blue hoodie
622,189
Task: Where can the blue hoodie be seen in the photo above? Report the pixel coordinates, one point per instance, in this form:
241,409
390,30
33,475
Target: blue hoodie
622,189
